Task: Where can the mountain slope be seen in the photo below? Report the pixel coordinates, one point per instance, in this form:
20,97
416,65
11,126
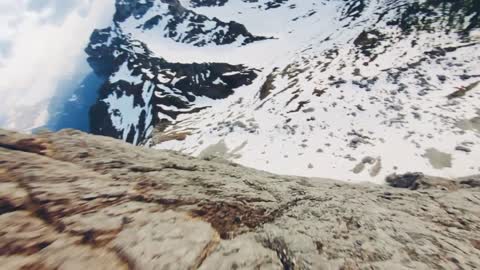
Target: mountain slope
143,89
338,89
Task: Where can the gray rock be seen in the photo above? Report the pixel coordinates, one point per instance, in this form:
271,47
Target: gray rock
408,180
442,78
368,159
397,107
463,149
126,207
309,110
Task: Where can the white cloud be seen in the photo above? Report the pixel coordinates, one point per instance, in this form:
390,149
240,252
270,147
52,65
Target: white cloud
41,43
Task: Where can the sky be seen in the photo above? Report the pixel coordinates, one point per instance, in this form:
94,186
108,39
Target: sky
42,43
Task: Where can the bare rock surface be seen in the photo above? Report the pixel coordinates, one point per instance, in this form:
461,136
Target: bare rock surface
69,200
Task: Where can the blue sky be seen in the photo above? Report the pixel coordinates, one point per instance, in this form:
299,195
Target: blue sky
41,44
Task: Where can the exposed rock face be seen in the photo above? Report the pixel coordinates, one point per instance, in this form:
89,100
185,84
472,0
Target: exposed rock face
143,89
180,24
408,180
140,89
70,200
267,4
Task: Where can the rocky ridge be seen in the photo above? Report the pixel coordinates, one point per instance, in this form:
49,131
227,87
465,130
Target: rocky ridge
141,90
142,87
69,200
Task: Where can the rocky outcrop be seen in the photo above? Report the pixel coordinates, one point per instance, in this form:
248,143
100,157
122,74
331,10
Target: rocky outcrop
265,4
143,90
174,21
69,200
137,89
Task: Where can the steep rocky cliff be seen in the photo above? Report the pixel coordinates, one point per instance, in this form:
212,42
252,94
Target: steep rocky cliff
69,200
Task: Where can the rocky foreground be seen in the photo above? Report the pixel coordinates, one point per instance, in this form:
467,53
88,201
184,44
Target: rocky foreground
69,200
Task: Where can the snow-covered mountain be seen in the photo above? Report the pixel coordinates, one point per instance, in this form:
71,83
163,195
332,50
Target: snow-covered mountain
346,89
